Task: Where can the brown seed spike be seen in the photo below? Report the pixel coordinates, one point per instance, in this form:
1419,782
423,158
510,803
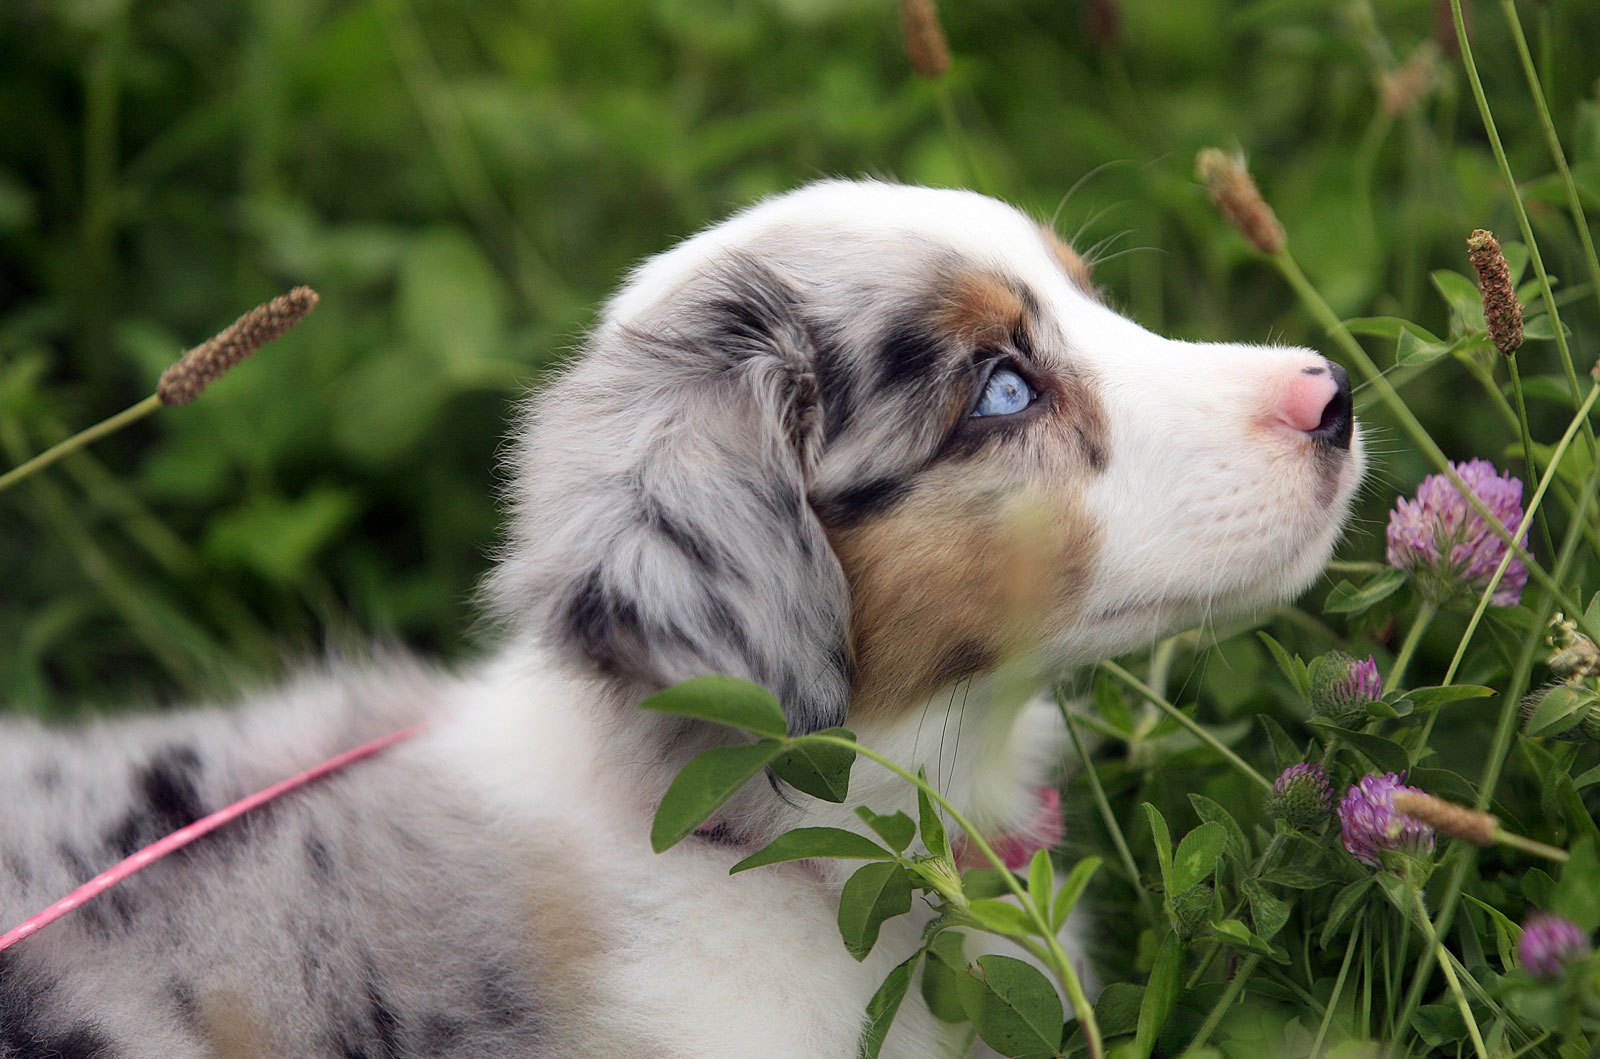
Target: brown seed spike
1234,192
1447,818
204,364
1501,310
925,41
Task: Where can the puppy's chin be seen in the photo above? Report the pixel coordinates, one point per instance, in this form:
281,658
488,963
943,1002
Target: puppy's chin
1122,626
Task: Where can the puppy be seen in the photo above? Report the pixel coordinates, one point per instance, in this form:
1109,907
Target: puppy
878,448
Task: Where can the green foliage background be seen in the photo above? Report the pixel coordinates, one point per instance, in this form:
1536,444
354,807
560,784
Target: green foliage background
464,182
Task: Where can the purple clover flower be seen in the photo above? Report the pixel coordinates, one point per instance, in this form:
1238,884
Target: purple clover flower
1341,687
1301,797
1443,541
1371,826
1548,943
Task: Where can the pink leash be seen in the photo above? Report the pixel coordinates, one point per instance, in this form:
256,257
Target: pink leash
185,835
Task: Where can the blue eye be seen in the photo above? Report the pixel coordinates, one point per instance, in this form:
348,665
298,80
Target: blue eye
1006,392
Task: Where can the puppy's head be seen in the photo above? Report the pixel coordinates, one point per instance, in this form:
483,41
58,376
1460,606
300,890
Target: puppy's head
864,440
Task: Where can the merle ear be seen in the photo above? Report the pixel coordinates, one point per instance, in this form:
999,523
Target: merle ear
661,527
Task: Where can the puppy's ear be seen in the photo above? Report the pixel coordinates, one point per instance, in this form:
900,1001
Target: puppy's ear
662,529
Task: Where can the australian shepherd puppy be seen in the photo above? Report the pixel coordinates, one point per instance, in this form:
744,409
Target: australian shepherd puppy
864,444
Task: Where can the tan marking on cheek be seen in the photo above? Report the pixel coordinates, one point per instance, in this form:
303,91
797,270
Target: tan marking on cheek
979,310
232,1027
958,578
1074,266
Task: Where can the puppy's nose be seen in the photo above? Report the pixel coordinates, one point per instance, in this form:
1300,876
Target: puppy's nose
1317,402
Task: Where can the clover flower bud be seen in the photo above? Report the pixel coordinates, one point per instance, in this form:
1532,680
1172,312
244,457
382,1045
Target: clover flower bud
1502,313
1549,943
1301,797
1445,544
1371,826
1569,713
1233,191
1341,687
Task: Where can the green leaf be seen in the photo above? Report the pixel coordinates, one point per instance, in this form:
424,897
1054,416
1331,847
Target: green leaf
1071,890
1285,751
897,828
978,883
1386,754
723,700
1460,292
1293,666
1444,784
1233,932
703,785
942,972
1238,847
1013,1007
1301,874
1506,932
1163,843
807,843
1001,916
1349,599
934,836
882,1007
1117,1009
1269,911
1411,349
1538,888
821,770
1577,893
876,892
1542,327
1041,880
1111,704
1423,698
1389,327
1160,995
1196,859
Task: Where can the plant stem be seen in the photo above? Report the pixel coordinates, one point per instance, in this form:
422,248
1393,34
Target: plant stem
1184,719
1450,977
1425,614
77,441
1536,89
1338,988
1527,449
1057,956
958,139
1109,818
1225,1001
1523,224
1530,845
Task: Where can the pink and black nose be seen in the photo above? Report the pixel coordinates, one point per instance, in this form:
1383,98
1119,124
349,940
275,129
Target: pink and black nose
1317,403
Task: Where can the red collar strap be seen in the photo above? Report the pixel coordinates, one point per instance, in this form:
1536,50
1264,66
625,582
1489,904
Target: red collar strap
185,835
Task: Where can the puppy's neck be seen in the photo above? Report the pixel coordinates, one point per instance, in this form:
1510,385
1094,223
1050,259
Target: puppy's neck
556,746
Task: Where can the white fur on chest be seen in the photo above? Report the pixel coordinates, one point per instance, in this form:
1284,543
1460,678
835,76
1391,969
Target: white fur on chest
669,951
